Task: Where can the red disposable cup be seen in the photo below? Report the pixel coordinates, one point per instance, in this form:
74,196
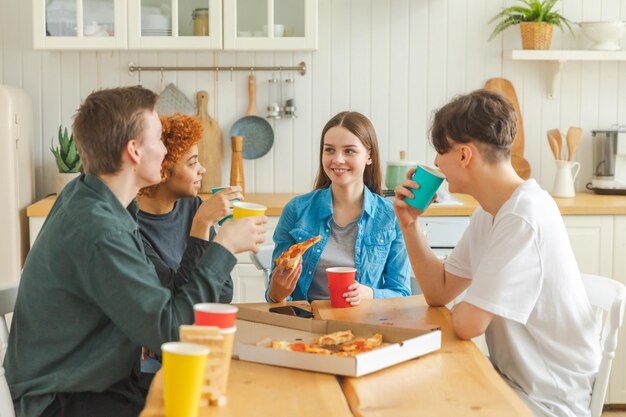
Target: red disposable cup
339,279
215,314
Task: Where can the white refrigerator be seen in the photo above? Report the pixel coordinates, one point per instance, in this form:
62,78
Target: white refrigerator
17,180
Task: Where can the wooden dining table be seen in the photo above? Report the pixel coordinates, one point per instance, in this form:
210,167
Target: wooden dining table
457,380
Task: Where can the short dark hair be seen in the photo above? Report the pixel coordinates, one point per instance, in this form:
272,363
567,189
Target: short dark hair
361,127
105,122
482,116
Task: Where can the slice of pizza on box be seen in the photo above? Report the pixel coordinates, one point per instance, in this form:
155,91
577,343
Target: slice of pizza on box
295,252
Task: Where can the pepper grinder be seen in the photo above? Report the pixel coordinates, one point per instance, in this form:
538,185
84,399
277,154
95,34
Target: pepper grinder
236,162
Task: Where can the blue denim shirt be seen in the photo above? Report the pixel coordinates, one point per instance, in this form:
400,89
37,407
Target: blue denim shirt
380,254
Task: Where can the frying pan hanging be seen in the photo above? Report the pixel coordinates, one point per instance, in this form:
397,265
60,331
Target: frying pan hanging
258,135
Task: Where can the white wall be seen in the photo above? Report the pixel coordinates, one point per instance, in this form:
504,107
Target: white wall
394,60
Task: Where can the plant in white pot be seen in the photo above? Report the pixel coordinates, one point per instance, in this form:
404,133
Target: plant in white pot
67,159
536,19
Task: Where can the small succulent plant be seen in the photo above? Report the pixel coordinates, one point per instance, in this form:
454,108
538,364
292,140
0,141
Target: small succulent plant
66,155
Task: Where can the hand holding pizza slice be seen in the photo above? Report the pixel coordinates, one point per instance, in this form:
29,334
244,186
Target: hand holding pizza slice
295,252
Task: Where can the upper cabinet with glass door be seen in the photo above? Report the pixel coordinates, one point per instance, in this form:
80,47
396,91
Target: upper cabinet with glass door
175,24
270,24
79,24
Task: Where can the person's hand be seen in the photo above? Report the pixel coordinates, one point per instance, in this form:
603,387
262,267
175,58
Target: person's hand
284,281
219,205
357,293
243,234
407,215
212,210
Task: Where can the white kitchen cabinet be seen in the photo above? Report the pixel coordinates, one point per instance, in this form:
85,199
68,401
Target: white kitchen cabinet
248,281
591,238
175,24
617,385
79,24
270,24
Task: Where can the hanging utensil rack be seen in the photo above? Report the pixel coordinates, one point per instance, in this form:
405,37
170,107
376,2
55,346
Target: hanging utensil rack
132,67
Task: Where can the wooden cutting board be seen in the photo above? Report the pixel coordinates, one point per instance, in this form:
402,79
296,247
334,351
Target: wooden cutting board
504,87
210,147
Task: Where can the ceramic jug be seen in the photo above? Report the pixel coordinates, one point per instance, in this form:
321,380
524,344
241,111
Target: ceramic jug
566,172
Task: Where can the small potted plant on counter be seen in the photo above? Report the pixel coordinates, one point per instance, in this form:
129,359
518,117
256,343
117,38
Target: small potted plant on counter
536,19
67,159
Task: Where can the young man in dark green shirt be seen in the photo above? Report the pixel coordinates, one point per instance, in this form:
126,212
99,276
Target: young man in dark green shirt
89,298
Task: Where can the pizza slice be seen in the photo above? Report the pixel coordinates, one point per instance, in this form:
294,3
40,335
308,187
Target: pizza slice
295,252
335,338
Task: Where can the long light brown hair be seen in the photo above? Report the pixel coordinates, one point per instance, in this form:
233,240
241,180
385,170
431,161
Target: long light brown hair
361,127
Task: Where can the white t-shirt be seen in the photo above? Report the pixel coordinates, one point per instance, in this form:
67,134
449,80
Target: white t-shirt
542,338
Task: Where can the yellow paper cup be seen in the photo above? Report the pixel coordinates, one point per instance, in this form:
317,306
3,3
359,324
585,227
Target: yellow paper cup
183,373
242,209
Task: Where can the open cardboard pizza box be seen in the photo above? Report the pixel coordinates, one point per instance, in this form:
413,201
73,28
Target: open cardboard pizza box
256,328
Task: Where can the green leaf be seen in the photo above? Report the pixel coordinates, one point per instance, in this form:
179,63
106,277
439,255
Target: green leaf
77,167
64,141
60,163
529,11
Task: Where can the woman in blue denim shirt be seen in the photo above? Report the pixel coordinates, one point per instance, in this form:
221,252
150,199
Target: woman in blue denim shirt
358,227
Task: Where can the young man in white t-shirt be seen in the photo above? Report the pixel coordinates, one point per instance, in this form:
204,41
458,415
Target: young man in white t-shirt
524,289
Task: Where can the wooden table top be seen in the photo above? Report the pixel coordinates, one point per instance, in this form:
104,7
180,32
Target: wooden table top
457,380
583,203
262,390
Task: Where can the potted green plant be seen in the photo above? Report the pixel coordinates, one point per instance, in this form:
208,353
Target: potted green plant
536,19
67,159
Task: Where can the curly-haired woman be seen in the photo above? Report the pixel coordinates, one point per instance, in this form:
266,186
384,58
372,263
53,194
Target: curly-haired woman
175,224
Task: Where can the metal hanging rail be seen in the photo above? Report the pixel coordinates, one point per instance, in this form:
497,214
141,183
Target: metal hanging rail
301,68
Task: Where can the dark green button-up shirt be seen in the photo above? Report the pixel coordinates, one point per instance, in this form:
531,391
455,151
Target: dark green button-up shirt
89,298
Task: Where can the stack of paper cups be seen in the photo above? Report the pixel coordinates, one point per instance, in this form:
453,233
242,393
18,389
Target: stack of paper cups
216,324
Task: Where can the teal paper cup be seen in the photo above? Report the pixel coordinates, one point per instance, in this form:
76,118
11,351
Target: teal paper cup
216,190
429,180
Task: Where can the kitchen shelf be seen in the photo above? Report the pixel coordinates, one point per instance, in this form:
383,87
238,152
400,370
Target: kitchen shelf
558,58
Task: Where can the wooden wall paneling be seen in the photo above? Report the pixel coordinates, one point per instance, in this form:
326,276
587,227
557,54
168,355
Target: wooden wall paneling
70,88
320,76
32,84
189,82
111,67
360,56
417,109
273,171
51,118
437,65
227,110
241,91
13,45
456,47
88,74
303,138
492,64
380,73
589,115
340,56
398,80
169,58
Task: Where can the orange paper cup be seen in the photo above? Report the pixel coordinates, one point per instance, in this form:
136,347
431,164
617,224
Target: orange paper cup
215,314
339,279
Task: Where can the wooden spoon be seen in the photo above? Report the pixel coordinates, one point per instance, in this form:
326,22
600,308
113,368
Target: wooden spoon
552,141
559,143
574,136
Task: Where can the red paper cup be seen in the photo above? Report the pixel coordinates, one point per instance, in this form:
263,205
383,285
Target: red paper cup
339,279
215,314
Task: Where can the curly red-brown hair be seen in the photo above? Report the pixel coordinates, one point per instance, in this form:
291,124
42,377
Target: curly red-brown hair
180,133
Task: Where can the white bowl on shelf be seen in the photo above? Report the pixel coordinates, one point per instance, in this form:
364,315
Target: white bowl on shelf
606,35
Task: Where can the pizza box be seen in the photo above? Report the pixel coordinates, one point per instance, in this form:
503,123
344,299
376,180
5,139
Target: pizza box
256,329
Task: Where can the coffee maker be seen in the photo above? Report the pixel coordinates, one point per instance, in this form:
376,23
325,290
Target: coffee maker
609,161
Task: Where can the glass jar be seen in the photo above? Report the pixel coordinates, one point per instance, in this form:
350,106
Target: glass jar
200,21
